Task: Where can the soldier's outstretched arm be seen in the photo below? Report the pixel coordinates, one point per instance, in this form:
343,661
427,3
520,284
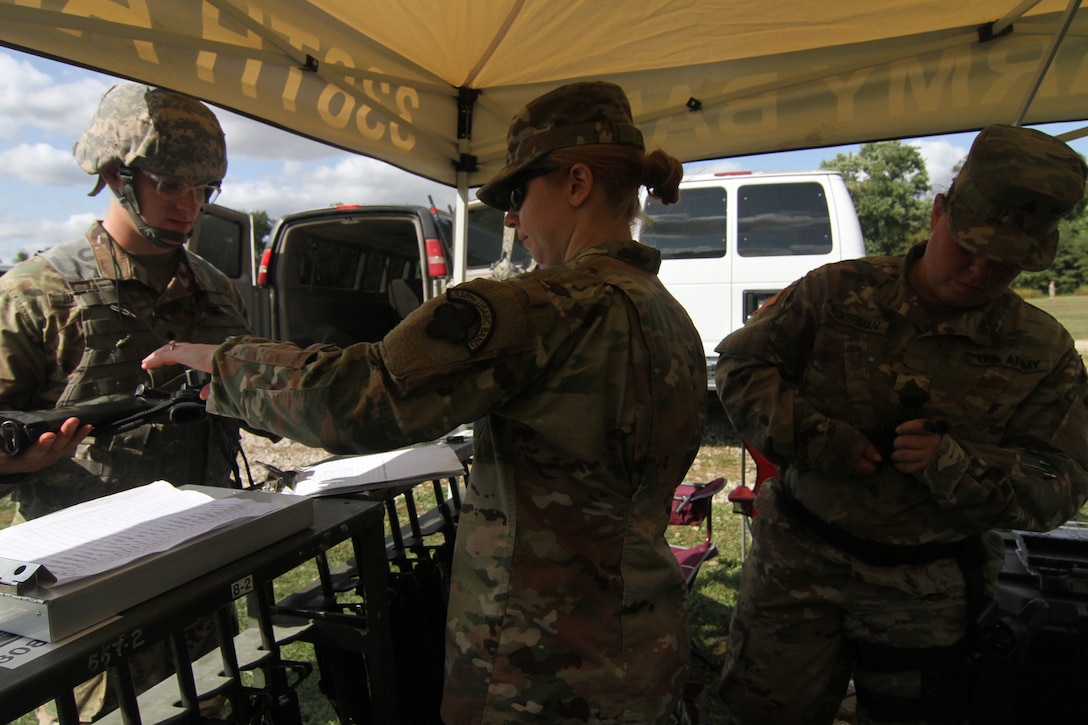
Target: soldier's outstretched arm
189,354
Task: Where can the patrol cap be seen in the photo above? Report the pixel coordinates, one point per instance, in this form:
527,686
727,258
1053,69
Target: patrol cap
1015,186
593,112
153,129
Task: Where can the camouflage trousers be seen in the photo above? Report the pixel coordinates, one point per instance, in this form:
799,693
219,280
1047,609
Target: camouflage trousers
801,606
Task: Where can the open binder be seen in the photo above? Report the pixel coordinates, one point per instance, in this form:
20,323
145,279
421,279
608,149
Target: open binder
52,592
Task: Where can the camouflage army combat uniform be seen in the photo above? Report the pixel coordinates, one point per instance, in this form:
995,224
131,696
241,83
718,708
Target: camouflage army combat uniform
65,342
589,383
810,381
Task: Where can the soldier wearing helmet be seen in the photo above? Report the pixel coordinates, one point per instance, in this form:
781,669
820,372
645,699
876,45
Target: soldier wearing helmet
76,320
153,138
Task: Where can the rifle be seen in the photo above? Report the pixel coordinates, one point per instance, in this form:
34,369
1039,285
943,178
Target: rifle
108,414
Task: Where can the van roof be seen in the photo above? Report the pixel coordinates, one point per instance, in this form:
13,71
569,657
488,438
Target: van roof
704,175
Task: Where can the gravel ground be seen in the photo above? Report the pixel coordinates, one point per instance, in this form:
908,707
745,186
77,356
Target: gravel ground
284,455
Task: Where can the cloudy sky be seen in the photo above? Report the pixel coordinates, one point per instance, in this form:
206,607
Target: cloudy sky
44,107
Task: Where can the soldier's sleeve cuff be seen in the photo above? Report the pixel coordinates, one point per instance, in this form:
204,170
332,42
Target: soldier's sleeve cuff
844,447
946,470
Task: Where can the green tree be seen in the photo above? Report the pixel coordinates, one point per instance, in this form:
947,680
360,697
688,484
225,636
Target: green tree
1070,269
889,184
262,227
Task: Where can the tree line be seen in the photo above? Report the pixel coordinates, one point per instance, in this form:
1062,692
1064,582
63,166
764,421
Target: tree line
891,190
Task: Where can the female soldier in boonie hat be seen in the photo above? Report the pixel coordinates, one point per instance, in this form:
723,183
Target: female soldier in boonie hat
589,383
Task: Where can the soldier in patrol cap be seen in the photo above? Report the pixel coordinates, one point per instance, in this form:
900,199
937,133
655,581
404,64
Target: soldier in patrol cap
588,385
76,320
913,404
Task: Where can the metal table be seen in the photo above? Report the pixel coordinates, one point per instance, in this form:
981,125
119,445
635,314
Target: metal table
52,676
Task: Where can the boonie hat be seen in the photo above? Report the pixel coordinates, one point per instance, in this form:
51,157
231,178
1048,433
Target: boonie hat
593,112
153,129
1015,186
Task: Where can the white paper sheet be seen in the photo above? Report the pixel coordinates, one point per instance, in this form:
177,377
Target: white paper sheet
378,470
109,532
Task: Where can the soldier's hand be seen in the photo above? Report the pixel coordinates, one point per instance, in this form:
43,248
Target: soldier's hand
190,354
869,462
916,443
50,448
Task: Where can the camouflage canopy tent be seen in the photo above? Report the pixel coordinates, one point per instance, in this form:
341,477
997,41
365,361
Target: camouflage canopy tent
430,85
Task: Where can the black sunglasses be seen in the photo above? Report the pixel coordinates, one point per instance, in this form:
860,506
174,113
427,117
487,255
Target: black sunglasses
517,189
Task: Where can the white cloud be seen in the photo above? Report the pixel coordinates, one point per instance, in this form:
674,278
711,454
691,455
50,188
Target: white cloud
941,157
26,235
31,99
710,166
348,179
43,165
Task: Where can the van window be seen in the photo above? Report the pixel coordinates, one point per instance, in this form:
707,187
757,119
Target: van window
374,272
485,232
324,263
691,229
779,220
221,244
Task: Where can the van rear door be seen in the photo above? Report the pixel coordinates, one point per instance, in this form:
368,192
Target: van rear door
784,229
349,274
224,237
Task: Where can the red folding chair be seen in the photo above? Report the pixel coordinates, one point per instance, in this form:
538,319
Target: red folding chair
691,506
743,498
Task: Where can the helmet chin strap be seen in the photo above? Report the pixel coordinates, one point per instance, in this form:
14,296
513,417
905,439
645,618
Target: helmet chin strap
126,197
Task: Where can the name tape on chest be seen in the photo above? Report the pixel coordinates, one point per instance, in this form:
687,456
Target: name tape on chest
859,322
1008,360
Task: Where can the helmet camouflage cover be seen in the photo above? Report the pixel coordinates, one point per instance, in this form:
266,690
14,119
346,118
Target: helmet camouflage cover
153,129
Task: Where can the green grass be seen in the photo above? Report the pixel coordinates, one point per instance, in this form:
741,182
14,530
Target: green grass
1070,310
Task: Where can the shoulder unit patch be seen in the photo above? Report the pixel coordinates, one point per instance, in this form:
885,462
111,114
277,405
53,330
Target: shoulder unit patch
465,317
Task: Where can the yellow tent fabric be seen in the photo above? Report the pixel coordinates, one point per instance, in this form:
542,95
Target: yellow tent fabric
430,85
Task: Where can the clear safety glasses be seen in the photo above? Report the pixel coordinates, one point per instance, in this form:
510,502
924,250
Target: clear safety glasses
173,189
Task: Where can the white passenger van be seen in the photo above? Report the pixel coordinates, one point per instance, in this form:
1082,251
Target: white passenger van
737,238
733,240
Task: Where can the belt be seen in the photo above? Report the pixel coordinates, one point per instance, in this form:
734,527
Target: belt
875,552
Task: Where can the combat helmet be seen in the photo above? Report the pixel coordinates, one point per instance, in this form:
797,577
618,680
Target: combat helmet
141,127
